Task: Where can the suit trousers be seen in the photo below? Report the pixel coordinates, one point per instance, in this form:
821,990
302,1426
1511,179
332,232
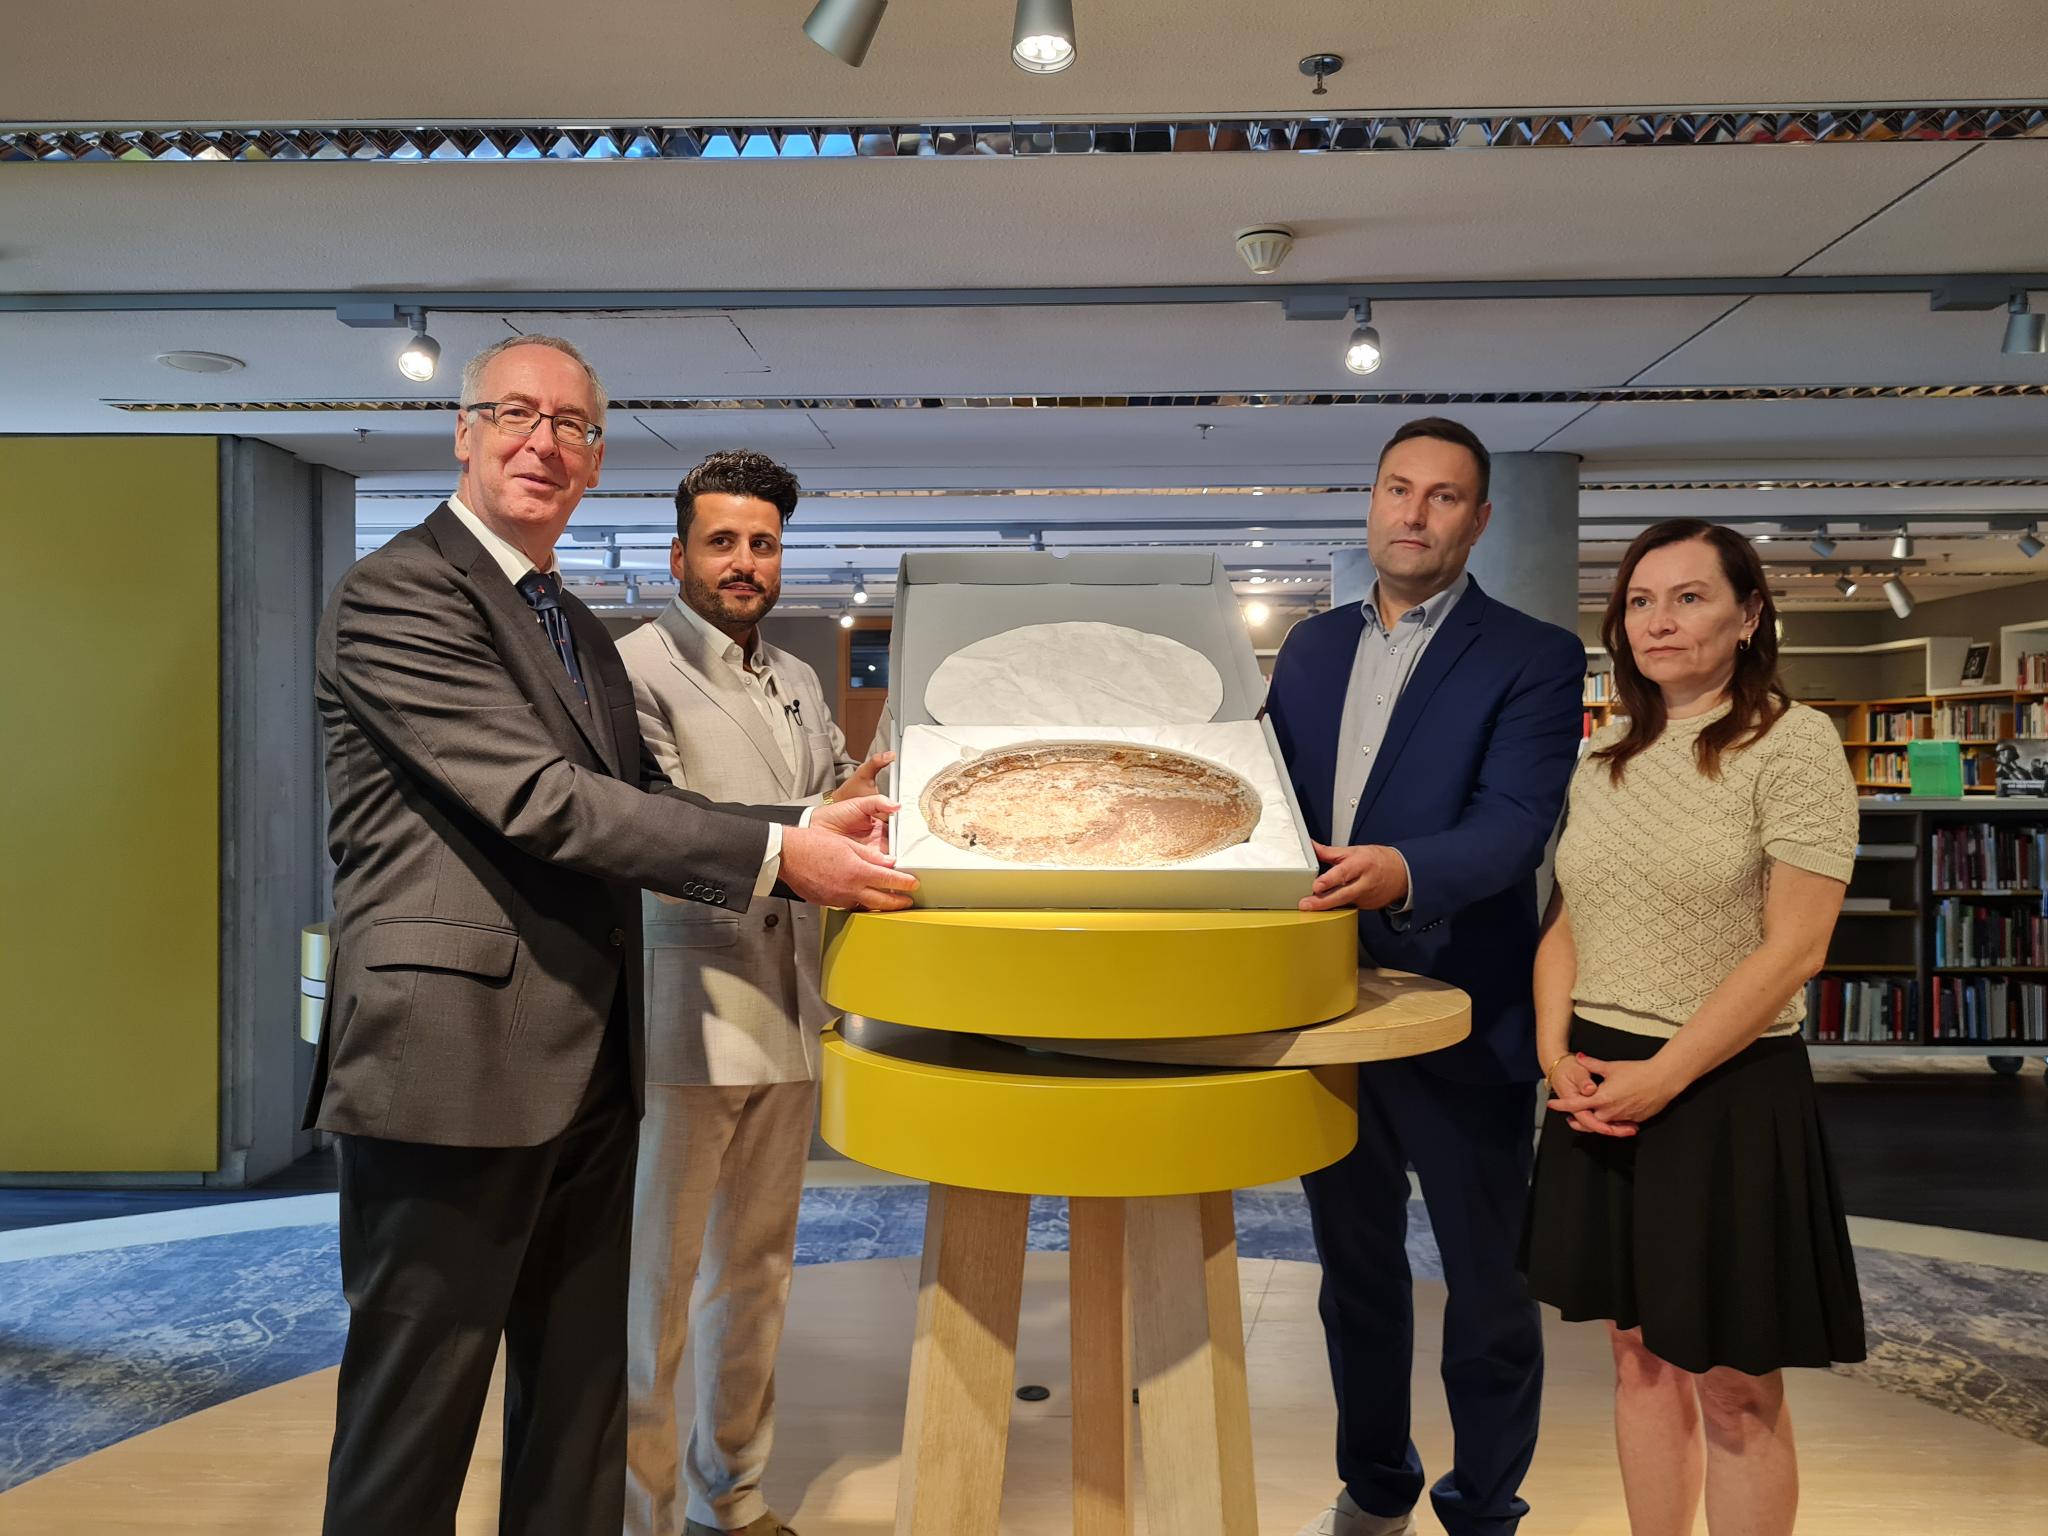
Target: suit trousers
721,1176
446,1250
1472,1146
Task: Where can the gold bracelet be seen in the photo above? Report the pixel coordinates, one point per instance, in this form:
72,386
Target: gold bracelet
1553,1066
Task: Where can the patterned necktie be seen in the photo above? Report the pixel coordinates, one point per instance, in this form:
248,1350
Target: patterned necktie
543,589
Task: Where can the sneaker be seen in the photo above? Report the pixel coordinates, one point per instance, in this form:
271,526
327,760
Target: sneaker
1345,1518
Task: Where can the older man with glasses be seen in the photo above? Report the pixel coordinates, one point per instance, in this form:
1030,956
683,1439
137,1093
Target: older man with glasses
495,817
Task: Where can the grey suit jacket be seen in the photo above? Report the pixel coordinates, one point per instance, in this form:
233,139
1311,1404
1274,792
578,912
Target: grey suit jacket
490,834
731,999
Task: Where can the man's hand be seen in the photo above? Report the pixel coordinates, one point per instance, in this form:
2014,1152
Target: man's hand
837,861
1366,875
864,819
865,781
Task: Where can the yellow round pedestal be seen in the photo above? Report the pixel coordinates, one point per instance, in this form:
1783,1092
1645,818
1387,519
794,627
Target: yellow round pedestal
960,1110
1138,975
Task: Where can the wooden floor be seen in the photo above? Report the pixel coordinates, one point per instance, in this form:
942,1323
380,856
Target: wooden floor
1872,1462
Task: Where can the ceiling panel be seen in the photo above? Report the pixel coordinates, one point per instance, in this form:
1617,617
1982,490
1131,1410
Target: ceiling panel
245,61
942,223
1851,339
1993,202
1982,430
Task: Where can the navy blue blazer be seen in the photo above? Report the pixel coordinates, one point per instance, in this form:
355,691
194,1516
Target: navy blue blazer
1468,786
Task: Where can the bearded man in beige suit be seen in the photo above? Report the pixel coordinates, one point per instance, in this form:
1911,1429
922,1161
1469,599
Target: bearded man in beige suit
733,1018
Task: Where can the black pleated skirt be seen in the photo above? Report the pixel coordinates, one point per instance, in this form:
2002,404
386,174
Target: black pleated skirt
1717,1228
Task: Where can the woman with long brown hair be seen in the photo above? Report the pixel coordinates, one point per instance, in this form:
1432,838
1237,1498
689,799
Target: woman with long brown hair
1683,1191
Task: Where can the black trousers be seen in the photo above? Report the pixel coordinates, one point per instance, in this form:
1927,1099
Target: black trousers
1471,1145
446,1250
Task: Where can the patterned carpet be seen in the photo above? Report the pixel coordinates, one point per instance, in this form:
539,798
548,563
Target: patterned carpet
98,1346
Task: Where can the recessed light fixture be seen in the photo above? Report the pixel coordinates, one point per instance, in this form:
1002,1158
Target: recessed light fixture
845,28
200,362
1042,42
1362,353
1256,613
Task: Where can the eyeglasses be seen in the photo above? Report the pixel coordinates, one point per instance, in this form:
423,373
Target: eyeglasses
571,430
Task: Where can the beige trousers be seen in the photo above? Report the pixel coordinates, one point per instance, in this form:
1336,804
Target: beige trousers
720,1177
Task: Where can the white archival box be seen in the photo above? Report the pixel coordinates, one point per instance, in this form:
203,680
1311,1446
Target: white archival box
945,601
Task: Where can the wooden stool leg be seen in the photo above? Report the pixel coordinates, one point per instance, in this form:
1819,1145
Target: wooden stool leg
1188,1346
963,1364
1100,1368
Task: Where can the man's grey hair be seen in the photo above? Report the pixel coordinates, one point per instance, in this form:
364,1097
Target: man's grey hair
473,370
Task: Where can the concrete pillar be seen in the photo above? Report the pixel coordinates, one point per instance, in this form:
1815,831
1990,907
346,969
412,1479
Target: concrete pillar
287,534
1529,556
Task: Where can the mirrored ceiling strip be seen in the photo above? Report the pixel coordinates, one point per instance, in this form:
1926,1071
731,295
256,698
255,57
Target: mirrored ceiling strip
1606,395
472,143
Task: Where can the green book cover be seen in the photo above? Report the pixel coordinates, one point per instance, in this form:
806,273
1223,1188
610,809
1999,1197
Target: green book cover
1935,768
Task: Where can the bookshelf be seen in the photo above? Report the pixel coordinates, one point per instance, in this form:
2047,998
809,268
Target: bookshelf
1942,945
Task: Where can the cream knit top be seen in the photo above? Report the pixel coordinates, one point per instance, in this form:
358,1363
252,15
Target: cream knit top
1664,874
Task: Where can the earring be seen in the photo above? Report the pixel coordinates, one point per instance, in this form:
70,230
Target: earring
1742,644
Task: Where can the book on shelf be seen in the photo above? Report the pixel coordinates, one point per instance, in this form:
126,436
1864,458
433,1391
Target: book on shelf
1984,857
1969,934
1978,721
1849,1010
2031,670
1992,1009
1599,688
1898,725
2030,720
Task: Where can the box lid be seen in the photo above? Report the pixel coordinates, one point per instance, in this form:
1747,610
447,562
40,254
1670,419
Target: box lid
949,599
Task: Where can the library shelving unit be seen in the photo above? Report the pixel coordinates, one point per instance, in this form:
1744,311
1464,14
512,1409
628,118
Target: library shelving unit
1942,945
1876,733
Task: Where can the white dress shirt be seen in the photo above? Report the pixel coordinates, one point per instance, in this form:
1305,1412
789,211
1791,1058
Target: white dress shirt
516,564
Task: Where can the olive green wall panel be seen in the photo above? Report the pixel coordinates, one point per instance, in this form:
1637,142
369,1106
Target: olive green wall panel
110,805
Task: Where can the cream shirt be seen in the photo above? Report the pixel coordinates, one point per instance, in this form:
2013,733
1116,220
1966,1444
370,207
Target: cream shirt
1664,874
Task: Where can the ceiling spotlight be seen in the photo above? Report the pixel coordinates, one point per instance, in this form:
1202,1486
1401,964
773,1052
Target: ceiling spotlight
860,589
1042,42
845,620
1846,585
1822,545
1902,547
1901,600
845,28
1362,352
2030,542
2024,332
1256,613
1265,248
422,355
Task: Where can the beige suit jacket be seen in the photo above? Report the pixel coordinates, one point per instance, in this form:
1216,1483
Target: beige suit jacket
732,998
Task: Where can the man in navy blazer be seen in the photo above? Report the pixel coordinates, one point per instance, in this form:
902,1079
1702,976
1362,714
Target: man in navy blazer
1430,733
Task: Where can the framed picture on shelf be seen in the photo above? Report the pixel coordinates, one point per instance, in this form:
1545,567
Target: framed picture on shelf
1977,661
2023,767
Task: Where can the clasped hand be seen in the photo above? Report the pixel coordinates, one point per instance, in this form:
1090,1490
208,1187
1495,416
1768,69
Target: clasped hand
1609,1098
839,860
